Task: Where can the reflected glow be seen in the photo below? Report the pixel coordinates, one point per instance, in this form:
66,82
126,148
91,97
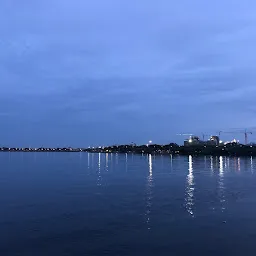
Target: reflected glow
211,163
88,160
221,184
126,160
189,199
99,170
149,192
150,164
107,162
252,165
239,164
216,161
221,166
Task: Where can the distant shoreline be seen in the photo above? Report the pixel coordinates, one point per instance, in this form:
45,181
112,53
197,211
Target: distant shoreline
41,150
232,149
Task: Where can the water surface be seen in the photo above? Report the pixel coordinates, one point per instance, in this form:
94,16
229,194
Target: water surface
124,204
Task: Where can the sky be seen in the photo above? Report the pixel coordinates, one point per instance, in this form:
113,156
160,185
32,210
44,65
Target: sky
88,73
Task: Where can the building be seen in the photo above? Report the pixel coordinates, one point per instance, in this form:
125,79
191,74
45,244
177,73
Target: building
193,141
213,141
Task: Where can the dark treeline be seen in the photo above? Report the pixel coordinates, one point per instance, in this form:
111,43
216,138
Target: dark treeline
228,149
172,148
69,149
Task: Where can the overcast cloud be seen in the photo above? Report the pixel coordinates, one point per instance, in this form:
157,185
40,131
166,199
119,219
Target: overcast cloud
96,72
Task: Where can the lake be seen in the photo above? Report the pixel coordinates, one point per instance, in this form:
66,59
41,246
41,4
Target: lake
124,204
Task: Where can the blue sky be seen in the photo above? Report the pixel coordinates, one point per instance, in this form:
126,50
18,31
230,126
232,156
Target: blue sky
83,73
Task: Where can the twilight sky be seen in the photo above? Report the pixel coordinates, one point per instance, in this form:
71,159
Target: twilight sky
80,72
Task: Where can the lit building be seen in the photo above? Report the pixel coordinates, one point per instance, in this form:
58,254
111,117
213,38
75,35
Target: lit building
193,141
214,140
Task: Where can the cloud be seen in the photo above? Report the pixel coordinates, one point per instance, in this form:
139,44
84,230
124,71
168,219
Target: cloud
144,68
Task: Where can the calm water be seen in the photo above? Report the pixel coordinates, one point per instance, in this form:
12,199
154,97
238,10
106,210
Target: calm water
110,204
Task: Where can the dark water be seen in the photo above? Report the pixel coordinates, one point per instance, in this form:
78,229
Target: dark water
109,204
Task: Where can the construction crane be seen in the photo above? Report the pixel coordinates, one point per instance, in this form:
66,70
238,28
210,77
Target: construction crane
245,132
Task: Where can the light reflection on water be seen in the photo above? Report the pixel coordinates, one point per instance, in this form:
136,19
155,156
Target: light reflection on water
205,168
140,196
99,170
126,162
207,165
251,163
226,165
88,160
211,164
149,190
106,157
189,198
221,183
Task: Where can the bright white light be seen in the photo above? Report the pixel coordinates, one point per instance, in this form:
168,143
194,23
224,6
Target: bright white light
189,199
221,166
150,165
150,142
190,141
221,141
